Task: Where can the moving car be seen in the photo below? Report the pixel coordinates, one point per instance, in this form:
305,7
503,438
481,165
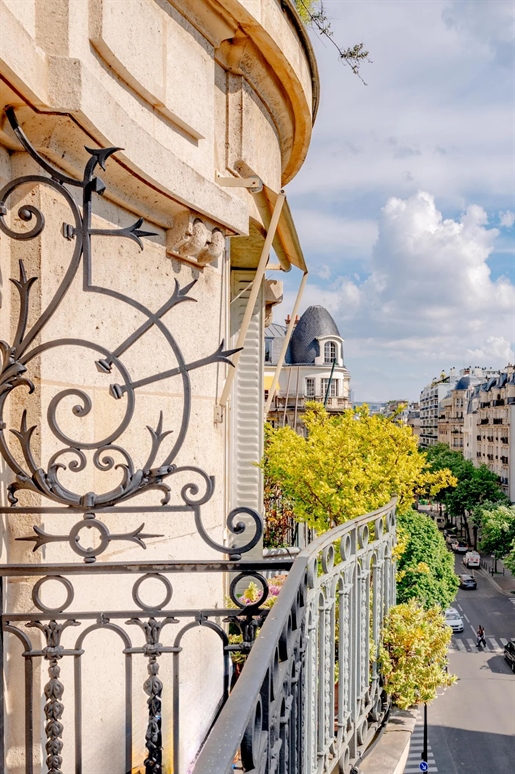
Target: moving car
509,653
451,537
472,559
454,619
459,547
468,582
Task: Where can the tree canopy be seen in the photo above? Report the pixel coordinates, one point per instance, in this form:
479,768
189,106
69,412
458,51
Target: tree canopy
349,464
497,524
475,485
413,653
425,569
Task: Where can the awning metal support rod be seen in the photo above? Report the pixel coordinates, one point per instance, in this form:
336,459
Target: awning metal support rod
260,271
289,331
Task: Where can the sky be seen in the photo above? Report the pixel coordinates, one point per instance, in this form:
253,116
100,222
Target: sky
405,205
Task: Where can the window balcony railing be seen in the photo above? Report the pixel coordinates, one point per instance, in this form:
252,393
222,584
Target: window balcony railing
288,712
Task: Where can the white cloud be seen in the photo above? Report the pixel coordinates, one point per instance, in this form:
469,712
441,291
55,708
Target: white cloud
323,271
429,301
496,348
437,113
491,23
436,116
506,219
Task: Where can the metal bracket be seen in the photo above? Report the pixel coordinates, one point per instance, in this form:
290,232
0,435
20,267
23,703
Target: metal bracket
253,183
219,414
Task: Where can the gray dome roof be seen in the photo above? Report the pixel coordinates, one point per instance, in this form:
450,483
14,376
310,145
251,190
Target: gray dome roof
463,383
315,322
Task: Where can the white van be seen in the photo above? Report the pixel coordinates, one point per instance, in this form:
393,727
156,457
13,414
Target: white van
472,559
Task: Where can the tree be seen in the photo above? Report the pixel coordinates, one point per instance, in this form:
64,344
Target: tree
497,524
413,653
425,569
475,485
348,465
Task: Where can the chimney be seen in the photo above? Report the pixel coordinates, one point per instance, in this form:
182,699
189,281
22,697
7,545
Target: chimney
288,320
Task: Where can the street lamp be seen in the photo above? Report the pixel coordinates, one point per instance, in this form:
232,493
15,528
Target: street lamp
424,748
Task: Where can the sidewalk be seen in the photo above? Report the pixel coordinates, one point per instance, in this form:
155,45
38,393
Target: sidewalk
503,579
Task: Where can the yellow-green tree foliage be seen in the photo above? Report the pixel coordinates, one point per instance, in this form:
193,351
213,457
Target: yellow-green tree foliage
413,653
348,465
306,8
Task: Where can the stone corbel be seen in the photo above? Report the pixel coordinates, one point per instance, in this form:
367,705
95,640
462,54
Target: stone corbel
194,240
273,296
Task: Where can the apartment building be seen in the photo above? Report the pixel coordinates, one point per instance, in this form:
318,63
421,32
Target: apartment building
313,368
430,398
413,419
489,427
453,406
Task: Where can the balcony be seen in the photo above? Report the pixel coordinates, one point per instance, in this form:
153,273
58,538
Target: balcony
268,716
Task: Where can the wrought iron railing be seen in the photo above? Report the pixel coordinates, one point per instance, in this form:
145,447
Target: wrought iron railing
310,693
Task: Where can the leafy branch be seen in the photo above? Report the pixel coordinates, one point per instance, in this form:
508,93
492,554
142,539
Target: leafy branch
313,12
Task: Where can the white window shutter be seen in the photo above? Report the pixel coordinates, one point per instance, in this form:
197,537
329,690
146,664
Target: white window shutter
247,401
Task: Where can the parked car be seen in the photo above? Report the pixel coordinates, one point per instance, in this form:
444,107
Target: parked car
450,537
468,582
454,619
472,559
459,547
509,654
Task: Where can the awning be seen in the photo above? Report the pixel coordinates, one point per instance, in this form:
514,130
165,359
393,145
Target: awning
286,241
267,381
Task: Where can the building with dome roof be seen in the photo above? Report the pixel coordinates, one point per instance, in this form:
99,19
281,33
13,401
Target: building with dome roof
313,368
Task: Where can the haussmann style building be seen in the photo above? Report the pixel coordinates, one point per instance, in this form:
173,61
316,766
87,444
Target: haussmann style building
313,368
144,150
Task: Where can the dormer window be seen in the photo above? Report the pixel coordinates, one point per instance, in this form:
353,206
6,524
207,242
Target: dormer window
329,352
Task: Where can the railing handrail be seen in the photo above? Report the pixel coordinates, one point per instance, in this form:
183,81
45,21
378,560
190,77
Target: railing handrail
329,537
220,749
237,711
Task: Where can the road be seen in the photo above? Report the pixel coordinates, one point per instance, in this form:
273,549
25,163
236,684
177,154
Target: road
471,726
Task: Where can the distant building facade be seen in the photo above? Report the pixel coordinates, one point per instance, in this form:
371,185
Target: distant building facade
373,406
413,419
430,398
489,427
313,369
453,406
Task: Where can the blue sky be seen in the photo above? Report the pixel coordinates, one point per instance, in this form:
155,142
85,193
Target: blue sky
405,204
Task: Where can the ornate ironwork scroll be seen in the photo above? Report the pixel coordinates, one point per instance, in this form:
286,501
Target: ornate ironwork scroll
181,489
105,454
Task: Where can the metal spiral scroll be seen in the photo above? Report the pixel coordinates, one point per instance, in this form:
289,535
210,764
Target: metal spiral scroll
107,454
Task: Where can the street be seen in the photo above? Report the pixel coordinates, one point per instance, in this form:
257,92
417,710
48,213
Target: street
471,727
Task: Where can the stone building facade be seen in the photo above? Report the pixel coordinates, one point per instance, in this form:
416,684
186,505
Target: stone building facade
314,368
489,430
209,107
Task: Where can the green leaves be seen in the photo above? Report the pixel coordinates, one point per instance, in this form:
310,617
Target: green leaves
497,524
413,653
475,485
348,465
425,570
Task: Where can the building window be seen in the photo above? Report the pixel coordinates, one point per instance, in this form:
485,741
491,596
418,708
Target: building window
329,352
268,350
310,388
333,390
